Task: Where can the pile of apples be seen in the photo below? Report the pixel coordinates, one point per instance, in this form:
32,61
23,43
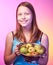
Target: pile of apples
30,49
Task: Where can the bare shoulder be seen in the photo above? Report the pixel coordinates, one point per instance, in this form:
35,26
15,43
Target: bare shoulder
9,35
9,38
8,44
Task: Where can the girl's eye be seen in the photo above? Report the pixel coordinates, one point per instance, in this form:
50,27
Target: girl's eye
20,14
27,13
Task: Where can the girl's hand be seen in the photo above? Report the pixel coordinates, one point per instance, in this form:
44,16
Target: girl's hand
17,53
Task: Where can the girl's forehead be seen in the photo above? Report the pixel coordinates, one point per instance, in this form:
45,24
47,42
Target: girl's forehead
23,9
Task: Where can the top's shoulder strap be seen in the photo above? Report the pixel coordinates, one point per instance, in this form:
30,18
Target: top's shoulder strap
13,34
41,36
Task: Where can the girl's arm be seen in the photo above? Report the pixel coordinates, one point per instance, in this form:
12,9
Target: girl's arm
44,58
9,57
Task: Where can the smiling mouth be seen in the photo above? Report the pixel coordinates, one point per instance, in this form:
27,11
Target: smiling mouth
23,21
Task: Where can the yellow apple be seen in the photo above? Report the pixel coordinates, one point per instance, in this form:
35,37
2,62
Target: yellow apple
28,45
40,51
28,54
31,49
37,46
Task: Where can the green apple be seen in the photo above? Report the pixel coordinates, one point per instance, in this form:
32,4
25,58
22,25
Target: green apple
23,50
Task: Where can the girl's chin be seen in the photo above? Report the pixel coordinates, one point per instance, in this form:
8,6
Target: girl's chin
24,25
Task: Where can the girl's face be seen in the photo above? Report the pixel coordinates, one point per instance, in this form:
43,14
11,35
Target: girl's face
24,16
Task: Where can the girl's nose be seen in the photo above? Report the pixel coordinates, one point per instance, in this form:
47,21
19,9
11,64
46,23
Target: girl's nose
23,16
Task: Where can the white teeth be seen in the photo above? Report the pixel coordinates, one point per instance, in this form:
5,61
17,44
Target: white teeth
24,21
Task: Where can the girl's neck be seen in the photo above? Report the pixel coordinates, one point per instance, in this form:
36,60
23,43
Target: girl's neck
27,33
27,29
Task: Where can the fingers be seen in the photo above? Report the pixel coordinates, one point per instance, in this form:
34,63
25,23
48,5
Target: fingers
17,50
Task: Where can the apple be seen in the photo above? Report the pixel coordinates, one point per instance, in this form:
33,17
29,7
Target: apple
37,46
23,50
31,49
41,50
28,45
28,54
34,53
